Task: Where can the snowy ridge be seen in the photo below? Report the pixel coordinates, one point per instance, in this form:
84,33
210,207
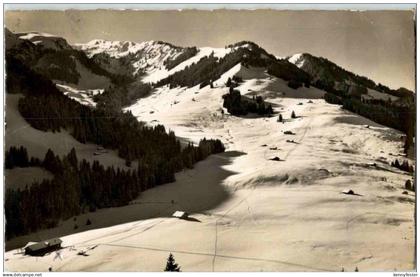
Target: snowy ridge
145,56
297,59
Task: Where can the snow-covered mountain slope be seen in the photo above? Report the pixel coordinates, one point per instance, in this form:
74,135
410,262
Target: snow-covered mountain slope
248,212
325,71
52,57
160,73
144,57
297,59
272,202
149,60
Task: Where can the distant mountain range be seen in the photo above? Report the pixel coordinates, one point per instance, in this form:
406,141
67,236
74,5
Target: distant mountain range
96,64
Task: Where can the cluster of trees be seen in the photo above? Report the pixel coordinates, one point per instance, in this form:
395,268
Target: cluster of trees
332,98
58,65
404,165
42,204
18,157
327,71
236,104
117,97
201,72
383,114
185,55
78,187
289,72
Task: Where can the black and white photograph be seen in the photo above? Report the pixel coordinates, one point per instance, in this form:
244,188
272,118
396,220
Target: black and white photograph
224,137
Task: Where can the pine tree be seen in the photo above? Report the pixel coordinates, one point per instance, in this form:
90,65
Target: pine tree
171,265
72,158
280,119
408,185
229,82
293,114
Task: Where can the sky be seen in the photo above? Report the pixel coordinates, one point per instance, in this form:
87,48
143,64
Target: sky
376,44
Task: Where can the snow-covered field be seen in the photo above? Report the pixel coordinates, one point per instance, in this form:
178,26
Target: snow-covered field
249,213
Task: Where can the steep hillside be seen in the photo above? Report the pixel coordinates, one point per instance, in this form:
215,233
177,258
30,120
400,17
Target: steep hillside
329,74
393,108
133,58
210,68
55,59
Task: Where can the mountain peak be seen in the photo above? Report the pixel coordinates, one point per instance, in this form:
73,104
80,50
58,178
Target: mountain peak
244,44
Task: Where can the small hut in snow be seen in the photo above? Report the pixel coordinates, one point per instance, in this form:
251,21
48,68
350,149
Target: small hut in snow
180,214
43,247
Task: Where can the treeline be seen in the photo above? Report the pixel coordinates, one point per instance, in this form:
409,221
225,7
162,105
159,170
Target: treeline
236,104
330,73
18,157
404,165
207,68
58,65
121,96
185,55
289,72
79,187
383,112
327,71
399,114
